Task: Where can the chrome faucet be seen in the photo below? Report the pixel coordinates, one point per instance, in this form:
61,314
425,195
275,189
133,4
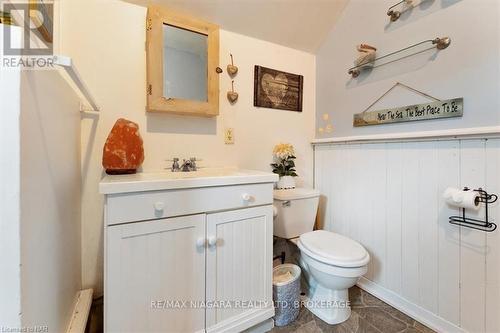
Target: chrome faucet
193,164
175,165
187,165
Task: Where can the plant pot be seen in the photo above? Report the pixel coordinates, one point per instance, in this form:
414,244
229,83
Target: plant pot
286,182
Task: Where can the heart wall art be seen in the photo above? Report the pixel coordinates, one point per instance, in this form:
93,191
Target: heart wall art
277,90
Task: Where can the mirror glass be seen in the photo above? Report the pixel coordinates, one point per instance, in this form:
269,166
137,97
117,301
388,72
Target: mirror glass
184,64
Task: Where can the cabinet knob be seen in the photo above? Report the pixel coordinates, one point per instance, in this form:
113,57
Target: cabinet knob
212,241
246,197
200,242
159,206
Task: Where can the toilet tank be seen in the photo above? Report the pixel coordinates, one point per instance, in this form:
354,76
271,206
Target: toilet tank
295,211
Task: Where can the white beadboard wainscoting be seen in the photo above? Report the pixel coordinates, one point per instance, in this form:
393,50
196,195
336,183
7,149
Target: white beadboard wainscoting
388,196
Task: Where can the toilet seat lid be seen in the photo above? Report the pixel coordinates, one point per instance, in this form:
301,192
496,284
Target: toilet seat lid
333,249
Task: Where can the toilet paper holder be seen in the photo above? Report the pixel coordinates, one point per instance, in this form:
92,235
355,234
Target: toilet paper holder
468,222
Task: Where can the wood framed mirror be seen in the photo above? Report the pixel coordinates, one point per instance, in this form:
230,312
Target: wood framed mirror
182,61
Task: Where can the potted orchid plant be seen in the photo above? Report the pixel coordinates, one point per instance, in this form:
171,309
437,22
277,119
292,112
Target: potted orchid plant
284,165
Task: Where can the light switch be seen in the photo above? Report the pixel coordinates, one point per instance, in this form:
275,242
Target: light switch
229,136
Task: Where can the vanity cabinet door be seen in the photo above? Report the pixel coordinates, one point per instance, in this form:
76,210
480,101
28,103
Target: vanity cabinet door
239,268
150,263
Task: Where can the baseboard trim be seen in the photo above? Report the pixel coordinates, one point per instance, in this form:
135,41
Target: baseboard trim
422,315
242,322
263,327
81,312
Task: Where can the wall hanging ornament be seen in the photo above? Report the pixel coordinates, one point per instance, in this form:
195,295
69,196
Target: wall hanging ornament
277,90
368,60
232,95
123,152
232,70
326,126
366,57
434,110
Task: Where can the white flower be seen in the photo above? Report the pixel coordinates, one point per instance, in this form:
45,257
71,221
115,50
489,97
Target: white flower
283,151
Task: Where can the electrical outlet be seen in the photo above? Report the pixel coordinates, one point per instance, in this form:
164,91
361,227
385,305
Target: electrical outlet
229,136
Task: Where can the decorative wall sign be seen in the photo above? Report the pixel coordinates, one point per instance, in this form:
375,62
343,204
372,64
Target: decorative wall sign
434,110
277,90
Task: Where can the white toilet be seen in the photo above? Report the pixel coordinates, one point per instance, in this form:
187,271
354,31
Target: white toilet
331,263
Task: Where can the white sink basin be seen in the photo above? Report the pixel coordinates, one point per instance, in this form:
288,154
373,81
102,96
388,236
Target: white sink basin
167,180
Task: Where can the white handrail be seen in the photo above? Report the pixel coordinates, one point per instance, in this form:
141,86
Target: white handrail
67,64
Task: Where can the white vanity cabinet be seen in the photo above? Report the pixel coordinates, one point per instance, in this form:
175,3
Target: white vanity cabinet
239,268
201,263
148,263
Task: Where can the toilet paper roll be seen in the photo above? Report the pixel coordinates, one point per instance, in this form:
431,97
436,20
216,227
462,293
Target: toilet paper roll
462,199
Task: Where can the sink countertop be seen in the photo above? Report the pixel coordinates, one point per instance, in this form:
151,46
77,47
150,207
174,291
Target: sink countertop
167,180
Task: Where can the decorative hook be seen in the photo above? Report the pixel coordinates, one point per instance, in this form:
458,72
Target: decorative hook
396,14
232,95
442,43
232,69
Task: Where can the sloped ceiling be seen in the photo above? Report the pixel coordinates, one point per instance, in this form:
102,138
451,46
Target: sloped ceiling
299,24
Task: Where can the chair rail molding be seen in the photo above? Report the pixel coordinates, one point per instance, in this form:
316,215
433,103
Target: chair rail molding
436,135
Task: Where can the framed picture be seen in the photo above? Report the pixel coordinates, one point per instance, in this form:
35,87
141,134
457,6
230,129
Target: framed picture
277,90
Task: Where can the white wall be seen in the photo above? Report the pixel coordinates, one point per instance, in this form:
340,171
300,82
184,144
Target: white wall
40,199
110,55
468,68
10,244
50,200
388,196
